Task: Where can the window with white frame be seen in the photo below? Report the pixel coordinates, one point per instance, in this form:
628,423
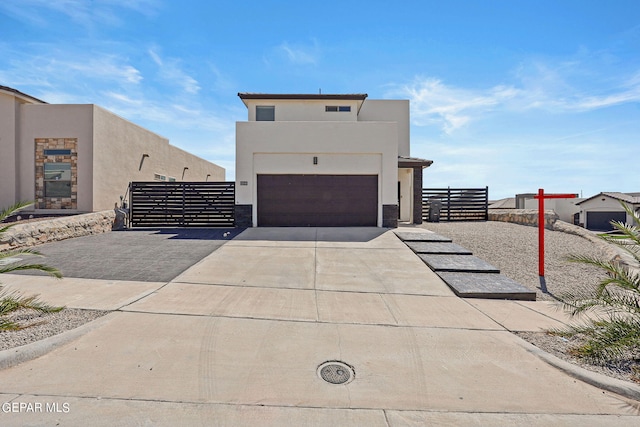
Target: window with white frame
337,108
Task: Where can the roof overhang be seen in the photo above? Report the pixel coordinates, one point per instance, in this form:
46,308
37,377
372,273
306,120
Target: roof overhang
360,97
413,162
623,197
21,95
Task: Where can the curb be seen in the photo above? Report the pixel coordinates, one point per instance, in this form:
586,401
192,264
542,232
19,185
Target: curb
15,356
614,385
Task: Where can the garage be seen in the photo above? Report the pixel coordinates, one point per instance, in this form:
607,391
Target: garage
600,221
317,200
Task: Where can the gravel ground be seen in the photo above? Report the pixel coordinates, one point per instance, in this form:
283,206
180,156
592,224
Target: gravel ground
38,326
513,249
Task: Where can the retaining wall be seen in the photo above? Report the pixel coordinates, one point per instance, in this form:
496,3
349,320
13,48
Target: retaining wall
38,232
523,217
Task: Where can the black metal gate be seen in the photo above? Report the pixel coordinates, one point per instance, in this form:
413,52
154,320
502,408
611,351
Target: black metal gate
182,204
457,204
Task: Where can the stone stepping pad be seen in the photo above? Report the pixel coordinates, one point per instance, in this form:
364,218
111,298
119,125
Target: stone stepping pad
437,248
486,285
457,263
407,236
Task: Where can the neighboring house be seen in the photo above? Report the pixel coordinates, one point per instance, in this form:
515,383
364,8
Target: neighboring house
597,212
507,203
326,160
566,209
81,158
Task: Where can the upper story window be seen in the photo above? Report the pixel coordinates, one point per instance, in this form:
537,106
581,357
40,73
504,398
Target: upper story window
338,108
265,113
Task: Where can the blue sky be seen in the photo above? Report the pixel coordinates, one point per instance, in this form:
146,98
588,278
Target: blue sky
515,95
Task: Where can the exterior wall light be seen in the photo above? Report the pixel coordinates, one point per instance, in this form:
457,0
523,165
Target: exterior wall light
315,160
144,156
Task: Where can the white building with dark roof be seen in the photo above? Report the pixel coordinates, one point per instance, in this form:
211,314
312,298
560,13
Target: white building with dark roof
326,160
597,212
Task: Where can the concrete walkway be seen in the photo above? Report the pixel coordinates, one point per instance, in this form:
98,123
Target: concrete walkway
237,339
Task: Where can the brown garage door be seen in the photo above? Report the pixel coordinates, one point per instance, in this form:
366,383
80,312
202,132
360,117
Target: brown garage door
317,200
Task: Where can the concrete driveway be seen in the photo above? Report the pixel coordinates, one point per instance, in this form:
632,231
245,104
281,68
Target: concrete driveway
237,339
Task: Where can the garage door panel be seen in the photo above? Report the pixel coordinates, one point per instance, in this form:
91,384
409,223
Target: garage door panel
600,221
317,200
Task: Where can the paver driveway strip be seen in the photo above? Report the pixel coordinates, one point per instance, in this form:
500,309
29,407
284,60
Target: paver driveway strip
245,347
148,255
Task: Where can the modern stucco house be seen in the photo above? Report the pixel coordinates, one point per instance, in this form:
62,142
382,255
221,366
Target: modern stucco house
597,212
81,158
326,160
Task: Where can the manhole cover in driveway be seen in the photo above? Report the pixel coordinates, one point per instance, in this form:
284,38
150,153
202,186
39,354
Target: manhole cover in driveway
336,372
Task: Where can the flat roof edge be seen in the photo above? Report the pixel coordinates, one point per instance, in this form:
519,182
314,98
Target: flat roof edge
352,97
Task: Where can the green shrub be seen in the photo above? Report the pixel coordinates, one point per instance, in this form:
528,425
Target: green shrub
613,330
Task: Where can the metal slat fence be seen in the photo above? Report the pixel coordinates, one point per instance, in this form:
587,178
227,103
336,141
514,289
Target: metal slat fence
182,204
458,204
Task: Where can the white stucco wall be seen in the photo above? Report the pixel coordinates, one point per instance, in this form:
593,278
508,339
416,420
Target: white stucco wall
304,110
565,208
341,148
117,155
390,110
57,121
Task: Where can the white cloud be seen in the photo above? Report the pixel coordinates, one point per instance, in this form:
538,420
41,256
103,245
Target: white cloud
170,70
119,97
45,65
300,54
435,103
563,88
86,13
580,84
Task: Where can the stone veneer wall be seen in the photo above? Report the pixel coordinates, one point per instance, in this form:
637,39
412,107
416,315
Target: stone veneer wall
243,216
38,232
523,217
417,195
390,216
42,144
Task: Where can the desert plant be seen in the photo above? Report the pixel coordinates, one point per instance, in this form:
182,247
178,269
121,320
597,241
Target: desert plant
614,328
12,301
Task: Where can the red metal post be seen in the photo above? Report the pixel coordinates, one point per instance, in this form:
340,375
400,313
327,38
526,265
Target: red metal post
541,232
541,196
